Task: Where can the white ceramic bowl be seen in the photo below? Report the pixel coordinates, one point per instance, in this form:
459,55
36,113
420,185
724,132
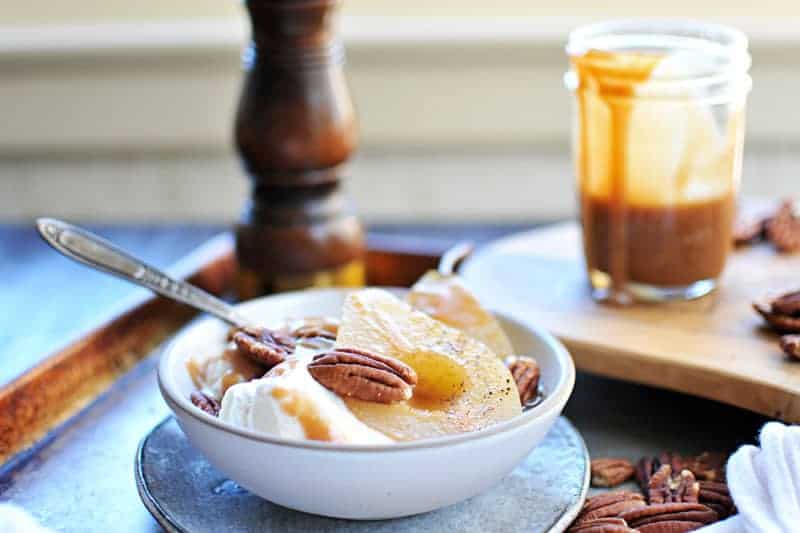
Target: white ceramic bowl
360,482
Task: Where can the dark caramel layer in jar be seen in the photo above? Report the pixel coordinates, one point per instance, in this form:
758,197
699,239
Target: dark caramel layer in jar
667,246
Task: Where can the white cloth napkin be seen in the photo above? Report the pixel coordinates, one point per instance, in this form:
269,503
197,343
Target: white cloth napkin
765,484
14,519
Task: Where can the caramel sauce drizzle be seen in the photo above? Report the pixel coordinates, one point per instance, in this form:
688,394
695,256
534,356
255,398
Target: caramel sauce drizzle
242,369
628,70
295,405
196,372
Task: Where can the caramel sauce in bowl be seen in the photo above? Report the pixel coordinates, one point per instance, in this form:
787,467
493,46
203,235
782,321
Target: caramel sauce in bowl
295,405
359,481
232,368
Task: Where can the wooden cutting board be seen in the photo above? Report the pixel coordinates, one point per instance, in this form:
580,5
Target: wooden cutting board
714,347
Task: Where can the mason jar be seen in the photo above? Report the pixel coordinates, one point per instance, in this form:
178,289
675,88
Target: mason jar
657,145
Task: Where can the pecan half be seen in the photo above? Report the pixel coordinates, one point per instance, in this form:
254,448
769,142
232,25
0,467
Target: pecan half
309,331
314,337
669,517
708,466
783,229
609,504
790,344
601,525
364,375
316,331
783,323
609,472
263,345
526,374
647,466
670,526
666,488
781,313
205,403
717,497
787,304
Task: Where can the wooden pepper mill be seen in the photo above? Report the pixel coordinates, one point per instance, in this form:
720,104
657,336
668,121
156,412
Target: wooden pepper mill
295,130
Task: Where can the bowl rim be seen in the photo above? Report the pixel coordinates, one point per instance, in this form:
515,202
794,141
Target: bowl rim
554,400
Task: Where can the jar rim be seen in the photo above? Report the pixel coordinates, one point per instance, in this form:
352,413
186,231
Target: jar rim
714,55
725,36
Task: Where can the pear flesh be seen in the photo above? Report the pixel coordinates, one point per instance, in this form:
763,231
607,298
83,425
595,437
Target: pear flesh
462,385
445,298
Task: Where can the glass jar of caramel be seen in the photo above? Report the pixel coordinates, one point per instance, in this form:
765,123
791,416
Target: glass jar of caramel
658,134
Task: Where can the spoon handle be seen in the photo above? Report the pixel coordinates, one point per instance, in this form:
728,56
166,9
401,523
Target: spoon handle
89,249
454,257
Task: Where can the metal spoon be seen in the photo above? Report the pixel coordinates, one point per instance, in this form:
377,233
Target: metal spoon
453,258
89,249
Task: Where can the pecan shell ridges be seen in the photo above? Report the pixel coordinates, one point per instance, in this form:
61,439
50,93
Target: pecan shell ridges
609,505
669,512
364,375
610,472
666,488
526,374
205,403
263,345
716,496
601,525
670,526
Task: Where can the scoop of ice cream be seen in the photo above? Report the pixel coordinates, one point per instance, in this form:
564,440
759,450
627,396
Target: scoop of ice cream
289,403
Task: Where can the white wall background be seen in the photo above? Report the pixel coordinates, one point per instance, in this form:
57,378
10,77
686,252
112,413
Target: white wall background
115,110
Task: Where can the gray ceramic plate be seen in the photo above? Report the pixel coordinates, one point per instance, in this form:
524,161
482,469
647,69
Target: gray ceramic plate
186,494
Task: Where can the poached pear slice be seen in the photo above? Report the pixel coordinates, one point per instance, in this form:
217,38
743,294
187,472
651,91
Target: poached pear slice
462,385
445,298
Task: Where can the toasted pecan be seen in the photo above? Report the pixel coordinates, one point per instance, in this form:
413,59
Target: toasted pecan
611,472
790,344
664,487
364,375
526,374
263,345
601,525
667,515
609,504
204,402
